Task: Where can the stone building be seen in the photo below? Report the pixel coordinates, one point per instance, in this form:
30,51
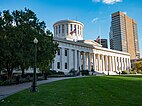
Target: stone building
79,54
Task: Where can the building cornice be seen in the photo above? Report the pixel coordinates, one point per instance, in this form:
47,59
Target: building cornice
68,21
89,46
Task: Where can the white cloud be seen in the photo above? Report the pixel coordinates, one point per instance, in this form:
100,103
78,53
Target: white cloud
95,20
107,1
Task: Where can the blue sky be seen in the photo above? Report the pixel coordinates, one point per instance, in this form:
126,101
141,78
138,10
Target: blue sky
84,11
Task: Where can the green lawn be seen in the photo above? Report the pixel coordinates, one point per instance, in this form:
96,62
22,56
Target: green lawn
87,91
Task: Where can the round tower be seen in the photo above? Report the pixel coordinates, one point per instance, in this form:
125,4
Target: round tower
69,29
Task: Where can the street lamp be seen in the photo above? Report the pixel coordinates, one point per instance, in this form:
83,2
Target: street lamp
34,85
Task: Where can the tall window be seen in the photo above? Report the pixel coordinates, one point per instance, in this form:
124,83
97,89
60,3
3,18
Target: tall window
70,27
67,28
59,29
63,28
58,51
66,65
66,52
58,65
75,28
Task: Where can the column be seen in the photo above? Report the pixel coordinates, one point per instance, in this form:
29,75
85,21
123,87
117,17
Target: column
89,61
84,61
62,59
94,61
119,66
113,61
55,64
110,68
68,29
61,30
121,63
69,59
78,60
81,30
98,64
107,64
124,63
129,63
103,63
75,59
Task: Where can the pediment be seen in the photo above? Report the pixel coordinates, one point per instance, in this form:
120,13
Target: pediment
90,42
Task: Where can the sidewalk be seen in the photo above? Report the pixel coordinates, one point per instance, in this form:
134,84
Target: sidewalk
6,91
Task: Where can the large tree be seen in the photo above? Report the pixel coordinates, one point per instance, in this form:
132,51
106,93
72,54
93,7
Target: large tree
17,32
138,65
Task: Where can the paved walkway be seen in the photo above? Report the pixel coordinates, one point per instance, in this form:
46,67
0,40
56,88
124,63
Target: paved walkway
6,91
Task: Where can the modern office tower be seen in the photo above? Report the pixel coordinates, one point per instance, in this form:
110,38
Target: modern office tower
104,43
124,35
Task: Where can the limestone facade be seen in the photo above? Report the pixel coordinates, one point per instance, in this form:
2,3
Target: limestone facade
78,54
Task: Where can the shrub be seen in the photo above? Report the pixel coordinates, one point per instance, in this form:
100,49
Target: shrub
85,72
52,72
1,83
60,73
124,72
139,72
133,72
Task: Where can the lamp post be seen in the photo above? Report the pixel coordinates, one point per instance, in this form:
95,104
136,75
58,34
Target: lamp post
34,85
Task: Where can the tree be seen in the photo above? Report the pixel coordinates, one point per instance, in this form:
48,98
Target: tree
138,65
17,32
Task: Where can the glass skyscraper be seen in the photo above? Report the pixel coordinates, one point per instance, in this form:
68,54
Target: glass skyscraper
124,35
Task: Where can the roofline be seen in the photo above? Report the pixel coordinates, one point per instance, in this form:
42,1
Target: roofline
89,46
72,21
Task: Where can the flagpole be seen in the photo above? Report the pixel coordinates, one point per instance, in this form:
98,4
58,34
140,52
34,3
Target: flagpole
100,32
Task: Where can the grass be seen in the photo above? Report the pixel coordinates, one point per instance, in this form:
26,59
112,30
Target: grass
87,91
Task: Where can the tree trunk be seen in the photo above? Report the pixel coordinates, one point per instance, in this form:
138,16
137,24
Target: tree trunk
45,76
23,72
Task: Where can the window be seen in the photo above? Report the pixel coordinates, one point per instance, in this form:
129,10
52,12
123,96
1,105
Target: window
63,28
70,27
67,28
66,52
66,66
59,29
58,52
58,65
75,28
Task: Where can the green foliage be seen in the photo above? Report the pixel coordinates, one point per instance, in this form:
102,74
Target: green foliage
133,72
139,72
124,72
138,65
85,72
17,32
